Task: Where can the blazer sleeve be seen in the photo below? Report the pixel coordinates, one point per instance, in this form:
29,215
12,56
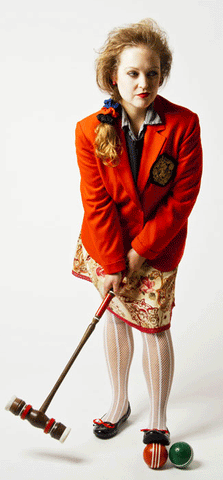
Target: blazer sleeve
100,213
172,214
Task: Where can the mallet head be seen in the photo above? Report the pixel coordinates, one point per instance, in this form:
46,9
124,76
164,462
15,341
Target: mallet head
38,419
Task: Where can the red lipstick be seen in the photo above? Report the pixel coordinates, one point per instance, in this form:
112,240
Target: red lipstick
143,95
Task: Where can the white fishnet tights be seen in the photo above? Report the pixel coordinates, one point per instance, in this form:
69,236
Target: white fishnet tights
119,347
158,365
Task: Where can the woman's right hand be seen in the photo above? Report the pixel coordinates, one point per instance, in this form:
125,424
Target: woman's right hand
113,281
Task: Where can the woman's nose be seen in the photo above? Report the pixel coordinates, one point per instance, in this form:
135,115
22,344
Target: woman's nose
143,81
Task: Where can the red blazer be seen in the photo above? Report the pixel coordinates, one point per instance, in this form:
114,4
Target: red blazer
151,218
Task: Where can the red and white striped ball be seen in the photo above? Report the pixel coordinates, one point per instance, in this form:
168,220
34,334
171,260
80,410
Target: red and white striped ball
155,455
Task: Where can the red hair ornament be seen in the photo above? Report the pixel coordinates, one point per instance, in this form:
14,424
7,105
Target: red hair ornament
109,112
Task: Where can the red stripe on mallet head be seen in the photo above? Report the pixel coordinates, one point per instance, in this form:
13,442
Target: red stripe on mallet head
25,412
49,425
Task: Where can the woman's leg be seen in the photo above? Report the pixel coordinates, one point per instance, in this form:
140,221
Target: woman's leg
119,346
158,366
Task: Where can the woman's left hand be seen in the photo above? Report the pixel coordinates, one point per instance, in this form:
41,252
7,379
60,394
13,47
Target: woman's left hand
134,262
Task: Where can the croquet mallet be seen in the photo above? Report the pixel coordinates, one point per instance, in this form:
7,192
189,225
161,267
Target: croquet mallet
38,418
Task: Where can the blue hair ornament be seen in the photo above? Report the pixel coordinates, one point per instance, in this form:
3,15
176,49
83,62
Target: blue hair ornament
110,103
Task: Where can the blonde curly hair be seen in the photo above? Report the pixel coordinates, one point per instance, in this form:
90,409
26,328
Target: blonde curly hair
146,32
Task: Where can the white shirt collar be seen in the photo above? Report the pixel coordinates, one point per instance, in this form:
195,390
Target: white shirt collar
151,118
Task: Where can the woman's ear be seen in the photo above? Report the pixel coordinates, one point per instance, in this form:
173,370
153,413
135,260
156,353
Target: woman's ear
114,80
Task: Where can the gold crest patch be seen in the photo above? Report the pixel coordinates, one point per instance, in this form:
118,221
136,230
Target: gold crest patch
163,170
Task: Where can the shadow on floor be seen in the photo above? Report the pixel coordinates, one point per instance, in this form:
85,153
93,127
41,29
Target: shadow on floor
54,456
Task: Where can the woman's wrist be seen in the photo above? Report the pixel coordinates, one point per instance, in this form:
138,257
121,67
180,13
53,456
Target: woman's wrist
134,262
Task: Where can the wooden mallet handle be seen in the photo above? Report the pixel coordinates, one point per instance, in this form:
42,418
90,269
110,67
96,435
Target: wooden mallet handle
85,337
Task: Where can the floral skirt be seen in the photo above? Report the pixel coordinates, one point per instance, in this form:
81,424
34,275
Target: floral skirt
146,300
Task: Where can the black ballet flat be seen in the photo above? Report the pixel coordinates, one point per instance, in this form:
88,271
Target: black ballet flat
107,429
156,436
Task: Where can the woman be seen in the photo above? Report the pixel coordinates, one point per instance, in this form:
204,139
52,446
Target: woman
140,162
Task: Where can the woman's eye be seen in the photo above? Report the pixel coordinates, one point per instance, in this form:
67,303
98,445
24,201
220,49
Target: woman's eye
132,74
153,73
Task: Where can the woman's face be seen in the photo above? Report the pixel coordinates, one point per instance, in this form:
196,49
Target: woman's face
138,78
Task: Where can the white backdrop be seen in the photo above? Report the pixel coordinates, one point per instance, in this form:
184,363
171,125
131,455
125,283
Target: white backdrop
47,85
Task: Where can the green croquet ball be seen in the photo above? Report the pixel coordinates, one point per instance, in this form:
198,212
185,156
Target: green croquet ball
181,454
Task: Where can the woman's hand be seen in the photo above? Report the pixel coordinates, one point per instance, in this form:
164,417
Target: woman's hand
113,281
134,262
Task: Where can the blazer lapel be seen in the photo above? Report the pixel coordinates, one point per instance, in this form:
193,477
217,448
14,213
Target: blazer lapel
153,142
124,172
